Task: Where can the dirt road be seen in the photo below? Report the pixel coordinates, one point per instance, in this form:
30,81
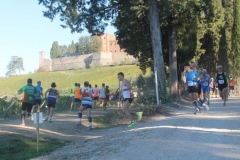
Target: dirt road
213,135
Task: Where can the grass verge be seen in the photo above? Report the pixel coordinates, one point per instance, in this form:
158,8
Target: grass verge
14,146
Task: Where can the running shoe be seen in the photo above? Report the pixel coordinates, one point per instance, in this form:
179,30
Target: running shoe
46,119
197,110
140,116
79,123
206,107
50,120
89,128
132,124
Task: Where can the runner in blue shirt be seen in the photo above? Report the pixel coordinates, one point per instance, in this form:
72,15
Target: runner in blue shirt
191,80
205,82
38,96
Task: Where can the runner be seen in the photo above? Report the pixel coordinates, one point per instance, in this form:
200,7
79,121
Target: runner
95,96
211,87
221,79
78,96
194,67
107,95
127,100
72,95
216,89
86,104
38,96
28,99
205,81
191,80
90,89
102,95
51,101
231,87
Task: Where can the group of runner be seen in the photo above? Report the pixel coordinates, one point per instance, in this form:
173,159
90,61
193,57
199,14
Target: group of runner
33,97
199,84
84,98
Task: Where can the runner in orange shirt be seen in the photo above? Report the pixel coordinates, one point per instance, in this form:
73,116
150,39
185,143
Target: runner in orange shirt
231,86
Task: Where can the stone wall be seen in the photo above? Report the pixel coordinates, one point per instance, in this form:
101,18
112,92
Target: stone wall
85,61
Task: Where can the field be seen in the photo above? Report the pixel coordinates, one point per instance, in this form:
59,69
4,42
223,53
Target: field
66,79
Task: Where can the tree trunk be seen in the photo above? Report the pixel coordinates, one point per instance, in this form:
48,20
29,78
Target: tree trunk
173,83
157,45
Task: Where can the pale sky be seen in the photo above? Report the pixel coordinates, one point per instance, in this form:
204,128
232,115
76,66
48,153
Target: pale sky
24,32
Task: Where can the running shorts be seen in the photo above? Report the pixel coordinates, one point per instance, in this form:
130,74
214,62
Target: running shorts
128,99
192,89
27,106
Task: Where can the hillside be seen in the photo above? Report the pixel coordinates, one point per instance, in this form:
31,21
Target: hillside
66,79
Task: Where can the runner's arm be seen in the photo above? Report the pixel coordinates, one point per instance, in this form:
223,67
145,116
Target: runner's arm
46,93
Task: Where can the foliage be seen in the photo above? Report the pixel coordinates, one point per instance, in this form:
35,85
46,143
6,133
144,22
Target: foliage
89,44
21,147
71,48
55,51
235,53
15,64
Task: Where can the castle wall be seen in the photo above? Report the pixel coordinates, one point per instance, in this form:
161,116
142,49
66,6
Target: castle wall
85,61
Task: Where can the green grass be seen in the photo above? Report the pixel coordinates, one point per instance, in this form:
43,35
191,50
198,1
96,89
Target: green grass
66,79
108,120
19,147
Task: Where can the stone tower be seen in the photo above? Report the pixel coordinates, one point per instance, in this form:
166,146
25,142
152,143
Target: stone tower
41,58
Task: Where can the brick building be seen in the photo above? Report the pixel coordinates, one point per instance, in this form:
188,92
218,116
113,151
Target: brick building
109,43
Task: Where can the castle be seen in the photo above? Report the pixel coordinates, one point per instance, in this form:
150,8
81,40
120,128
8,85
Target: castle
110,54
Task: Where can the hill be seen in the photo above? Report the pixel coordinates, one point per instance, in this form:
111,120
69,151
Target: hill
66,79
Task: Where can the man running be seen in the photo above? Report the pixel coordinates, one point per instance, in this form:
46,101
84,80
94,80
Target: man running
78,96
51,101
86,104
72,95
95,96
102,95
127,100
231,86
221,80
38,96
205,81
191,80
194,67
28,99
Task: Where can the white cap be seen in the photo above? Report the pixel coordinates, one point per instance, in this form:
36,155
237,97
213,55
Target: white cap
219,66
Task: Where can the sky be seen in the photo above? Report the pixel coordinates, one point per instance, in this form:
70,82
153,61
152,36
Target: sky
24,32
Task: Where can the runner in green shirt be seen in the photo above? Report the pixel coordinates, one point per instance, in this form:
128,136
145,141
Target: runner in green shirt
28,99
73,95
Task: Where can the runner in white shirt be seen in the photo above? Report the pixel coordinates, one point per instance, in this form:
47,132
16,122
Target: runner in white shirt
127,99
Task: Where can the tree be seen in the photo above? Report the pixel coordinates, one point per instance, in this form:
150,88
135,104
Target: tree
93,15
63,49
55,51
89,44
15,64
235,53
71,48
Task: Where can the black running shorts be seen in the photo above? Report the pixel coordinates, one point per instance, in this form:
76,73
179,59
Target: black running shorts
27,106
192,89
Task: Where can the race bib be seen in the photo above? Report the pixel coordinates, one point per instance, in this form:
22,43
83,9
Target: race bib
220,81
190,83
